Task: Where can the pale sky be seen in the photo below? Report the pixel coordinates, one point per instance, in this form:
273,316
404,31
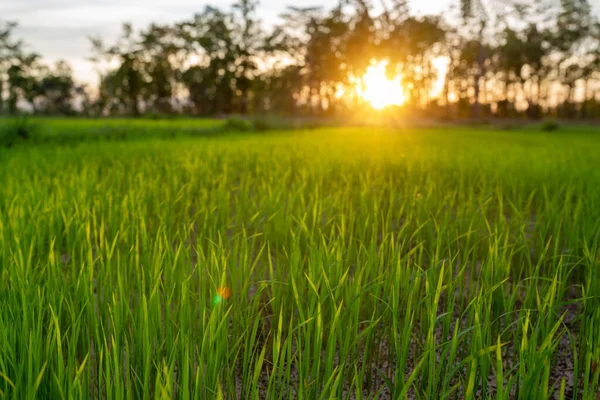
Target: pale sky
59,29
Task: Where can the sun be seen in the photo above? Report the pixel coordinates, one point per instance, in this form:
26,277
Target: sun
377,89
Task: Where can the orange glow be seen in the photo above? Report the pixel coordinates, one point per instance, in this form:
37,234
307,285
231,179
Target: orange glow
224,292
377,89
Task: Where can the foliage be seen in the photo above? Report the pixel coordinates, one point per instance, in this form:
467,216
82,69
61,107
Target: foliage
278,123
18,130
238,124
550,125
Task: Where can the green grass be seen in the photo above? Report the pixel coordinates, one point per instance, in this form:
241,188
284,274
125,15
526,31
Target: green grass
72,130
362,263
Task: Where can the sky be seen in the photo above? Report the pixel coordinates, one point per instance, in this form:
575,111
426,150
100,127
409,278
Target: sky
59,29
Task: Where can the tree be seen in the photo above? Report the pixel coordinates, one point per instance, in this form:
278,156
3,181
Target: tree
209,38
509,56
160,55
474,9
124,84
9,51
248,37
409,46
56,90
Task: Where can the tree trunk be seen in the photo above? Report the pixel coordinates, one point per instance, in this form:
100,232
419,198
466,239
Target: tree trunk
12,101
585,99
480,72
135,108
447,88
1,95
244,102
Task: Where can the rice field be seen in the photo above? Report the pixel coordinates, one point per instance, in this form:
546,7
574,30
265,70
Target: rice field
340,263
71,130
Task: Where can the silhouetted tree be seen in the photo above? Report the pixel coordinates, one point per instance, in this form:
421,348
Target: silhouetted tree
9,51
511,57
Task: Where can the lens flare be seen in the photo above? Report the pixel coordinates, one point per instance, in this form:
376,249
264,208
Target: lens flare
223,293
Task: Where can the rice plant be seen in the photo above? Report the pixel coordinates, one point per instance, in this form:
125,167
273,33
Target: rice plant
346,263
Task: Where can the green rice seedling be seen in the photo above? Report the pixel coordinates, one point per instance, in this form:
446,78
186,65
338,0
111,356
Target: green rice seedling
347,263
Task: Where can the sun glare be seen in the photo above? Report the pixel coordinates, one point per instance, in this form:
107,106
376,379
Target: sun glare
378,90
441,65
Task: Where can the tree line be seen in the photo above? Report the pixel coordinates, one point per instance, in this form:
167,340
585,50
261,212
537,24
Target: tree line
506,58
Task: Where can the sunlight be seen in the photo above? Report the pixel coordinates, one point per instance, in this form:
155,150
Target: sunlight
441,65
377,89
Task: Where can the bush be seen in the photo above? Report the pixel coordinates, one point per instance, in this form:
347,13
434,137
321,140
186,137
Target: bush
509,125
274,123
155,115
263,124
550,125
237,124
18,129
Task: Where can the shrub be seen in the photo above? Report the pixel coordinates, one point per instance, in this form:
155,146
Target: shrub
509,125
18,129
274,123
550,125
263,124
155,115
237,124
